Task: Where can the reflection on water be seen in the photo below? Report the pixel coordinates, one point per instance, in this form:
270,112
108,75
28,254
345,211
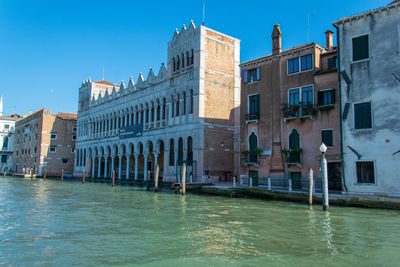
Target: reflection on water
63,224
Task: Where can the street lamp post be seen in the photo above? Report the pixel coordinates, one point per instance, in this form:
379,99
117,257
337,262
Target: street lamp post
324,169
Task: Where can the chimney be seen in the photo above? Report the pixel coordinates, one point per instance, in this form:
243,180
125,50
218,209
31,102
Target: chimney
276,40
329,39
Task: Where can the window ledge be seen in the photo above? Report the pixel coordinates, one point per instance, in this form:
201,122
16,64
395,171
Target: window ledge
298,164
249,121
367,184
294,73
361,60
298,118
247,163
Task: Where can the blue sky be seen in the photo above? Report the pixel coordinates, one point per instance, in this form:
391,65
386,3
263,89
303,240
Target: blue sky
48,47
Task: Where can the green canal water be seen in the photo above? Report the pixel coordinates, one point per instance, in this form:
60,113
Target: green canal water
46,223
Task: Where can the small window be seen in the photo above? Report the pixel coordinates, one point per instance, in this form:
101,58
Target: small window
73,128
72,149
17,152
74,137
36,136
35,150
6,126
3,158
362,116
360,48
306,62
252,75
332,63
53,136
326,97
307,95
64,161
52,149
293,65
327,137
365,172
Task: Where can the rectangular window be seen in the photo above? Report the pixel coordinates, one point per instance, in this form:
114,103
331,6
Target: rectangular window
3,158
252,75
73,137
52,149
307,95
332,63
73,128
64,161
326,97
365,172
6,126
294,97
306,62
293,65
360,48
254,104
362,116
53,136
327,137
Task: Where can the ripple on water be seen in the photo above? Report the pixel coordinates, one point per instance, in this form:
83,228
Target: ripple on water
63,224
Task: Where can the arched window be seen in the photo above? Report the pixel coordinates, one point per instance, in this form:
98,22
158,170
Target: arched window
187,58
173,65
177,63
183,61
164,104
180,151
171,152
152,114
173,109
192,58
190,150
158,112
5,142
191,102
177,106
294,146
184,104
253,145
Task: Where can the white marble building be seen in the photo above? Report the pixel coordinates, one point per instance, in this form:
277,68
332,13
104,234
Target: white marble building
7,129
369,56
188,112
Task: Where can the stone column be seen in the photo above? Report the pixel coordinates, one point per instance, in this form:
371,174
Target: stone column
93,162
144,119
169,117
120,167
105,166
145,165
112,163
135,114
128,157
99,167
136,165
161,114
155,116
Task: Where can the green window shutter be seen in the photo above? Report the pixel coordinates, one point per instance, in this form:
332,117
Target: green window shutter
360,48
362,116
245,74
327,137
258,74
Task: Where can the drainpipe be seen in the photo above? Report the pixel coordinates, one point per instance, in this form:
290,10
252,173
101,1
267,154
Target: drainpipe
340,104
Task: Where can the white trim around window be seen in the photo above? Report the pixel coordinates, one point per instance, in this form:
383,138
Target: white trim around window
354,114
301,93
355,172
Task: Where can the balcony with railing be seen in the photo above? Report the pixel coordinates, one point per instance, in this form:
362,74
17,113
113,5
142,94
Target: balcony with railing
252,117
293,156
300,111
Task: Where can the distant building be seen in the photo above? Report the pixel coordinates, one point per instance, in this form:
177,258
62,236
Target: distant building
7,128
44,141
369,57
288,109
187,113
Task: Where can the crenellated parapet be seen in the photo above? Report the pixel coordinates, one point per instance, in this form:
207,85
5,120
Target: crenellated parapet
113,91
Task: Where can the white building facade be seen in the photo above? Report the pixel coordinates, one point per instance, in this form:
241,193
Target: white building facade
369,56
187,112
7,130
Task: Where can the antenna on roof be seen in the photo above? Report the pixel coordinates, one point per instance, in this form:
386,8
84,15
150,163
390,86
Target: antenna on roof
204,11
103,73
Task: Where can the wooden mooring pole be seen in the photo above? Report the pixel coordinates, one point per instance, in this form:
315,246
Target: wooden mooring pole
148,181
156,178
310,188
83,177
183,179
44,175
113,179
62,175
